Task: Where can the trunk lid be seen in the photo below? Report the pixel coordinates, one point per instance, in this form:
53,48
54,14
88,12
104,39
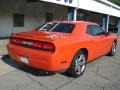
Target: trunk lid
40,35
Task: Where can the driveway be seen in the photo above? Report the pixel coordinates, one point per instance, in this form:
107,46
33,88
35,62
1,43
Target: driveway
101,74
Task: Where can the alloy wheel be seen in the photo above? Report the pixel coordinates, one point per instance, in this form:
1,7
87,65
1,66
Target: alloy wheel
80,64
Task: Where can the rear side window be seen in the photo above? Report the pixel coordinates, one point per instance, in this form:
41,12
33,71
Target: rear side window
64,27
47,26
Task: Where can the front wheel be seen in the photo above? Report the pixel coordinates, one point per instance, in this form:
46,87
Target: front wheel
78,65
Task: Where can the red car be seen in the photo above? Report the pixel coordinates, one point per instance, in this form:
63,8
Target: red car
62,46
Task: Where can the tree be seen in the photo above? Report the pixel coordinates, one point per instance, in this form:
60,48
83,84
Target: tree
117,2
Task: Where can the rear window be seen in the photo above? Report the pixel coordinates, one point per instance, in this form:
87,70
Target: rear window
57,27
64,27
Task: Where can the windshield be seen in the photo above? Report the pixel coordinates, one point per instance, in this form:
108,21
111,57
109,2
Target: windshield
57,27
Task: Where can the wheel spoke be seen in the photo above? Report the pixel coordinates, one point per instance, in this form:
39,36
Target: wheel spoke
81,63
80,57
113,48
78,69
76,62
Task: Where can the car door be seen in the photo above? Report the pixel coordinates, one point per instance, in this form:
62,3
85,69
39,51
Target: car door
99,38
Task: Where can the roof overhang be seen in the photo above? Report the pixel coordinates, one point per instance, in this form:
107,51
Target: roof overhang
99,6
71,3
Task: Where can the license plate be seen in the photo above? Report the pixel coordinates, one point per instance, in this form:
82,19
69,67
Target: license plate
24,59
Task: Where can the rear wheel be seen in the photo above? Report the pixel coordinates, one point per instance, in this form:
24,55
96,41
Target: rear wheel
78,65
113,50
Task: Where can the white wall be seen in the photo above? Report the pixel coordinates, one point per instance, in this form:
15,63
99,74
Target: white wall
34,14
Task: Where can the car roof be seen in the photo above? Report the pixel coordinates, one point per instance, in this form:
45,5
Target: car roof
75,22
80,25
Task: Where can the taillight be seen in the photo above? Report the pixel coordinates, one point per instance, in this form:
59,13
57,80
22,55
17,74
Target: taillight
16,40
35,44
44,45
48,46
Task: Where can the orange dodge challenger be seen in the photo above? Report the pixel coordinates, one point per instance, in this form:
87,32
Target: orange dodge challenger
59,46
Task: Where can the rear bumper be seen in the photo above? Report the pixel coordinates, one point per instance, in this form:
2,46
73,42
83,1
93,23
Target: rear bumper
39,59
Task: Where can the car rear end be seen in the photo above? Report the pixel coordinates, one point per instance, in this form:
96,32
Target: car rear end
38,54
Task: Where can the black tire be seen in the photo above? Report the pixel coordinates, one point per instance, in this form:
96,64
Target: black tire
113,50
78,65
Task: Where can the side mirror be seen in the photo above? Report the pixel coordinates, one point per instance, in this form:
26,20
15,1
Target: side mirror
107,34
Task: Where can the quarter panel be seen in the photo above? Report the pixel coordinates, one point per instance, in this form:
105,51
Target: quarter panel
67,50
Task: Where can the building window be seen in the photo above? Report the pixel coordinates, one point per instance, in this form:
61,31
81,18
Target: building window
18,20
49,17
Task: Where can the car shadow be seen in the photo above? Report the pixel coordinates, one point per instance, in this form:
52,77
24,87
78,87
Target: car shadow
36,72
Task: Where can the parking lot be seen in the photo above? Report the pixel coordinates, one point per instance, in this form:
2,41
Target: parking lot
101,74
